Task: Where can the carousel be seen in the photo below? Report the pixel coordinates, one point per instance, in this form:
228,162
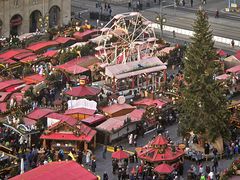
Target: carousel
159,151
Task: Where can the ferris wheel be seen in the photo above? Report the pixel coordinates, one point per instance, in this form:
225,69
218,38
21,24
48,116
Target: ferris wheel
127,37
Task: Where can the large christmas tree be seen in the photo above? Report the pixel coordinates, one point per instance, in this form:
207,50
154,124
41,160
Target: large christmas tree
203,106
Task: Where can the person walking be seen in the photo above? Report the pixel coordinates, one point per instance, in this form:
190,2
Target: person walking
232,43
191,2
94,165
217,14
88,157
105,176
104,151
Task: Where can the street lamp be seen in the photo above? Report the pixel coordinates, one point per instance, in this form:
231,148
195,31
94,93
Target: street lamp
161,20
43,23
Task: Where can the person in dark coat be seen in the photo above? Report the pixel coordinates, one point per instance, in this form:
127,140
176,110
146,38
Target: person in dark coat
105,176
93,166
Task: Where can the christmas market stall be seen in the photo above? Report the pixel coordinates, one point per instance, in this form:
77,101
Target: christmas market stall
70,170
145,73
80,113
43,46
65,41
85,35
159,150
94,120
40,116
66,132
119,127
230,62
117,110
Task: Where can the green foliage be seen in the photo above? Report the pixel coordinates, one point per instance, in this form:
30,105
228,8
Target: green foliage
203,106
88,49
66,56
53,78
27,70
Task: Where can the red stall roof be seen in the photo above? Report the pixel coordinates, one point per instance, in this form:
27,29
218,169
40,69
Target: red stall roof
83,35
116,107
28,121
9,83
164,169
34,79
96,118
29,59
150,102
4,96
11,53
50,53
237,55
18,96
63,118
81,91
63,40
8,61
41,45
118,122
80,111
23,55
72,68
3,106
60,170
63,136
39,113
234,69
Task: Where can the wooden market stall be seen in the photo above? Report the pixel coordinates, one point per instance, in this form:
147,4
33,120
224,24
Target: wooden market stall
118,127
66,132
132,75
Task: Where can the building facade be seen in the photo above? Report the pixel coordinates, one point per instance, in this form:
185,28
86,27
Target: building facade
22,16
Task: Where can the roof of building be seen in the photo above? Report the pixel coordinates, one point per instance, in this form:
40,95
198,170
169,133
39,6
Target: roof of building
96,118
29,122
63,40
120,71
80,111
235,69
72,68
39,113
4,96
9,83
23,55
86,133
50,53
29,59
11,53
41,45
3,106
118,122
83,90
61,117
84,34
150,102
116,108
34,79
62,170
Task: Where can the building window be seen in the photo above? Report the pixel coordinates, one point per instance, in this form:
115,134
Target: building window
34,1
16,3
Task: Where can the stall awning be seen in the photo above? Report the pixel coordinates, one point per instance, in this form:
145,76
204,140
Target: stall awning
42,45
13,52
